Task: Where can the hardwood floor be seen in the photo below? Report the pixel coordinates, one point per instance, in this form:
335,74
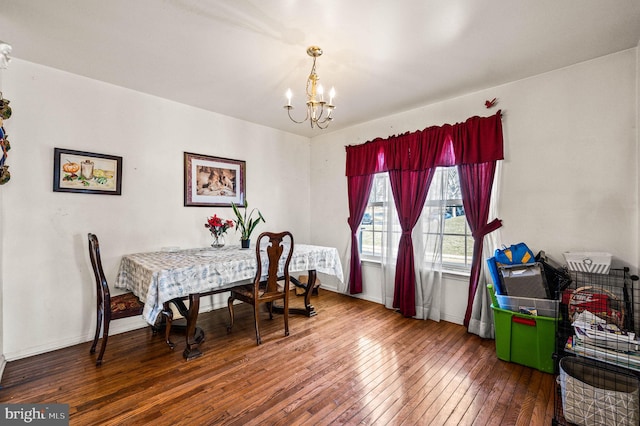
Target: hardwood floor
354,363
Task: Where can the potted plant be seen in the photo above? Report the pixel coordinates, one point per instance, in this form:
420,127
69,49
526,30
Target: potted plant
246,224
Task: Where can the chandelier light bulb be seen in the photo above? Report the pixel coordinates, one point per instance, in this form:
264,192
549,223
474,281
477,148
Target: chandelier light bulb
289,95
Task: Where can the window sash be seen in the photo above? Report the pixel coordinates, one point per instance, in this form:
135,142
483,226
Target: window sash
372,233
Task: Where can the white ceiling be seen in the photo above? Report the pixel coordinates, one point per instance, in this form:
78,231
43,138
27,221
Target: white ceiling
238,57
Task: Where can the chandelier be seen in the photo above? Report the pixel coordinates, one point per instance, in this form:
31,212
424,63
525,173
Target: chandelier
318,110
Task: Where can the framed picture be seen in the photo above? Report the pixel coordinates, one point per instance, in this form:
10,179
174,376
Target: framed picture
88,172
213,181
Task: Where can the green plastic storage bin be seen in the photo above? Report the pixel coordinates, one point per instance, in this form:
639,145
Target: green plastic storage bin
525,339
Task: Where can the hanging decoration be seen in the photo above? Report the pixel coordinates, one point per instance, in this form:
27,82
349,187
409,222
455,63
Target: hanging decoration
5,114
5,146
5,51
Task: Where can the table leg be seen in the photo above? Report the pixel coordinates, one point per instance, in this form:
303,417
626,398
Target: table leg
309,310
311,284
195,335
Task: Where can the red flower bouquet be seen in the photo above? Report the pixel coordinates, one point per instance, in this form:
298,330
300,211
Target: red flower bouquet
218,226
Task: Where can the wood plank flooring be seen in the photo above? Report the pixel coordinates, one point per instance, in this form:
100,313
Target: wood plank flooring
354,363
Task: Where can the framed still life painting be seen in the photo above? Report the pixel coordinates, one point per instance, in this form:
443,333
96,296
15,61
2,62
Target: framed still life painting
86,172
213,181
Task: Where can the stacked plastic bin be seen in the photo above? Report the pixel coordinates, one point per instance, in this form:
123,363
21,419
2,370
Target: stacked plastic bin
525,327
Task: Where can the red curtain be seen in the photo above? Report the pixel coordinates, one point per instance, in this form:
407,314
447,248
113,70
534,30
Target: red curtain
476,182
358,189
409,193
367,159
476,141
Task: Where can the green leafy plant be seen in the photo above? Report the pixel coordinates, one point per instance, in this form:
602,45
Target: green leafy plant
246,224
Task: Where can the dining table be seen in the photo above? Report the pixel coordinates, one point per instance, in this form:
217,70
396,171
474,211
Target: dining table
173,275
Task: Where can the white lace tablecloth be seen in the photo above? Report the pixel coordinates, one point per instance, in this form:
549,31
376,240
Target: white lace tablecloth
157,277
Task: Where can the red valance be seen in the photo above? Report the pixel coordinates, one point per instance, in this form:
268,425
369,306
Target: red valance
477,140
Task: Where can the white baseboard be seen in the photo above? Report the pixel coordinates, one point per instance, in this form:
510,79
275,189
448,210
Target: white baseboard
46,347
207,304
449,318
453,319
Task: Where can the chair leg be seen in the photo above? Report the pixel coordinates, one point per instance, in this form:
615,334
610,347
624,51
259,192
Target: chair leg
230,306
286,319
105,337
97,336
168,319
256,315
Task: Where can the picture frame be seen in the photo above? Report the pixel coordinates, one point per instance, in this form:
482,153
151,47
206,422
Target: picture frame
213,181
86,172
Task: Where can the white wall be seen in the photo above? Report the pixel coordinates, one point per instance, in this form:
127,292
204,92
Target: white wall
569,179
48,286
569,182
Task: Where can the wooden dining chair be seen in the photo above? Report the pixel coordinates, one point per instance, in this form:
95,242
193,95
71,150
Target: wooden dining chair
108,307
269,287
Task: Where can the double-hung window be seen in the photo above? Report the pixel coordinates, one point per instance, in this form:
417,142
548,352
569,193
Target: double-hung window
374,221
443,221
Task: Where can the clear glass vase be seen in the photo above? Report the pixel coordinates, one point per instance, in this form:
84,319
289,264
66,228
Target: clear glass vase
218,241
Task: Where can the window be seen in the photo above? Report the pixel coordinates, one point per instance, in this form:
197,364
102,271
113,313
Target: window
374,220
443,221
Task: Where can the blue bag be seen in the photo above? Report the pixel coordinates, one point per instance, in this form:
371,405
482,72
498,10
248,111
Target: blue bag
517,254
